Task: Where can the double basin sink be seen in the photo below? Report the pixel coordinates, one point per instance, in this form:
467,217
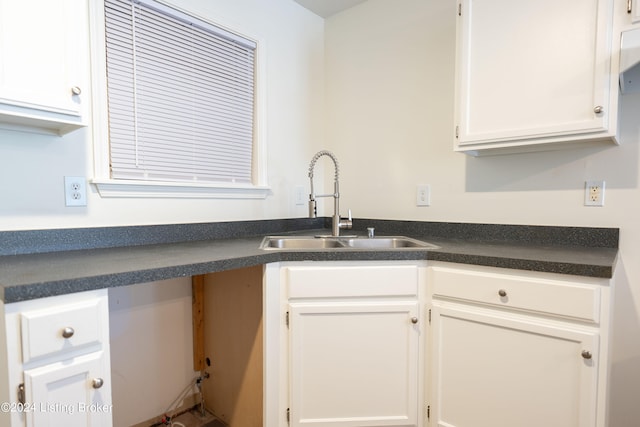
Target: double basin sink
292,243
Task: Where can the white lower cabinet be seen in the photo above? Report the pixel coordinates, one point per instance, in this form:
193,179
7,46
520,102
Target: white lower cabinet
57,362
505,353
359,344
496,371
354,364
351,353
68,393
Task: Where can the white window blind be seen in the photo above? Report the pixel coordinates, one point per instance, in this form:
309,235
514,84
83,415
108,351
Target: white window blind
180,94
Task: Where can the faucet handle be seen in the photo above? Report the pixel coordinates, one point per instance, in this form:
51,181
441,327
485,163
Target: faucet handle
346,223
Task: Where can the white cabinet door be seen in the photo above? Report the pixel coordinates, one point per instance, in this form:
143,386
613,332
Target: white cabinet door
354,364
635,11
69,393
533,75
43,54
55,348
493,369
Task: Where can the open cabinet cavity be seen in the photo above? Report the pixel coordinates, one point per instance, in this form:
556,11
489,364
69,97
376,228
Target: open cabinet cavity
228,344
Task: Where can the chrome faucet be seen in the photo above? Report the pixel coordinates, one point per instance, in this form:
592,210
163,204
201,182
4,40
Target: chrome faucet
336,223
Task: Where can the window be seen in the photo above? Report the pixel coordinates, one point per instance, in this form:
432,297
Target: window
181,99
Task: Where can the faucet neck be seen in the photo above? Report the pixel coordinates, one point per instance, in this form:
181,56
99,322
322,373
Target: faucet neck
336,191
337,223
315,159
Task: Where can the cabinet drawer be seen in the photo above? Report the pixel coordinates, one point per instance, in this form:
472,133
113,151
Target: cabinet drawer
554,297
345,282
62,329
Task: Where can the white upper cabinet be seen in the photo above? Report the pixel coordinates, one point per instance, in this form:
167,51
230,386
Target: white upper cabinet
634,10
630,50
43,71
534,76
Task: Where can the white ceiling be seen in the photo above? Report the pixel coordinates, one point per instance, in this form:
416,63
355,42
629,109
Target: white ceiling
326,8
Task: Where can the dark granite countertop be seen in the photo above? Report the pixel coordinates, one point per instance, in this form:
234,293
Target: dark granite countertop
75,260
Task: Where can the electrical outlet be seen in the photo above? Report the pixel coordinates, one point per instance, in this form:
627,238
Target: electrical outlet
75,190
423,195
594,193
298,195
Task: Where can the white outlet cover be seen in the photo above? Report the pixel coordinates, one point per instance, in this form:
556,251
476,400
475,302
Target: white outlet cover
423,195
75,191
594,193
299,195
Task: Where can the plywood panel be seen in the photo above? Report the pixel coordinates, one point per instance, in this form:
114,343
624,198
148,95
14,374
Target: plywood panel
233,345
197,310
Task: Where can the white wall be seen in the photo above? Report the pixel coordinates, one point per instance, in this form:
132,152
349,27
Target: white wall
390,68
32,166
151,323
387,113
151,349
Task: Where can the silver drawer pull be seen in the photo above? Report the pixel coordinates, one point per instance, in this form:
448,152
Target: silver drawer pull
586,354
97,383
502,293
75,90
414,320
68,332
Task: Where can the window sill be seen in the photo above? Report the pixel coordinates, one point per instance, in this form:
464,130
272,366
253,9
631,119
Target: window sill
151,189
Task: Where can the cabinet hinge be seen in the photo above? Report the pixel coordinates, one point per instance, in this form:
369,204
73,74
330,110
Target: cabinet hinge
429,316
21,394
629,7
288,416
459,9
428,412
457,131
286,320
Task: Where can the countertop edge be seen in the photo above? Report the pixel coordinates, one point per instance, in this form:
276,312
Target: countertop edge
32,276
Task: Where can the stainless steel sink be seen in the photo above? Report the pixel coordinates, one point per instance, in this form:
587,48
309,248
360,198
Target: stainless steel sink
342,243
395,242
298,242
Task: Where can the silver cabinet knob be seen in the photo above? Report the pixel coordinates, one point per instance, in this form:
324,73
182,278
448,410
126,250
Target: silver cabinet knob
502,293
586,354
76,90
414,320
97,383
68,332
598,109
